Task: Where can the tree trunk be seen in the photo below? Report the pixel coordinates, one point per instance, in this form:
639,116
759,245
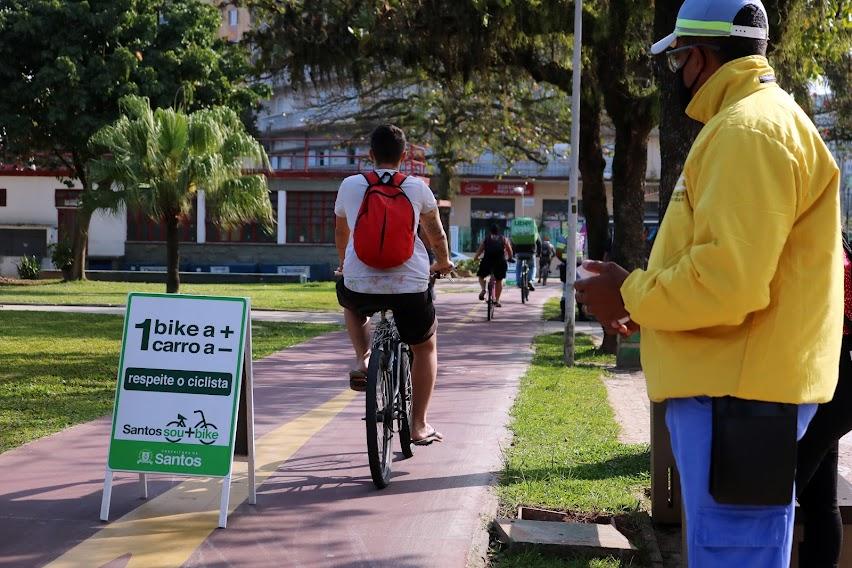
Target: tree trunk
80,243
633,112
443,188
172,254
677,131
628,194
592,165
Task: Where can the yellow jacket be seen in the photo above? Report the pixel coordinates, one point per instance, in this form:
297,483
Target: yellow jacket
743,294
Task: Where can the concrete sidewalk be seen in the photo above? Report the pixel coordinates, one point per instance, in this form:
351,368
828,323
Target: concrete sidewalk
317,506
256,315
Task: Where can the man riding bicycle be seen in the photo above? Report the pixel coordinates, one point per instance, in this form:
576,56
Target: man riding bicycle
494,250
526,244
400,287
545,256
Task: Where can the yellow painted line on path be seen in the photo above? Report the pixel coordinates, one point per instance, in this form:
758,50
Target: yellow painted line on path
165,531
467,317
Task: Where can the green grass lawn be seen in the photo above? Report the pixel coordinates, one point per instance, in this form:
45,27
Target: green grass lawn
565,453
551,308
313,296
57,370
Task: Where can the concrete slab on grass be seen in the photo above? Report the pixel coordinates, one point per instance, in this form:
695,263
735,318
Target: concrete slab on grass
587,538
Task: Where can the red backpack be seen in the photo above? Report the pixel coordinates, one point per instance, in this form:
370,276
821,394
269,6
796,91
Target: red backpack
384,230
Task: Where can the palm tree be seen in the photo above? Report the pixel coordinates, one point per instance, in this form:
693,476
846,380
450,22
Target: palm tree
157,160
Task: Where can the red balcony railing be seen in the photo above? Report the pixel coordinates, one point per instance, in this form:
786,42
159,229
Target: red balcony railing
331,156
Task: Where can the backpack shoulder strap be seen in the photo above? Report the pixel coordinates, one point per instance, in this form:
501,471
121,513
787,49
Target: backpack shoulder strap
372,178
398,179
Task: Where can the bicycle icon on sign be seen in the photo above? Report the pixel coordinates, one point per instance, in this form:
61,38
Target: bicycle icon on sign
177,429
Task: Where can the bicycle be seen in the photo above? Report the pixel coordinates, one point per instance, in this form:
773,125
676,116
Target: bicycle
525,282
492,299
389,395
545,271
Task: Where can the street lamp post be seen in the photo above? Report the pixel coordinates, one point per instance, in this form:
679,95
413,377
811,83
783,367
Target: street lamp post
521,190
571,244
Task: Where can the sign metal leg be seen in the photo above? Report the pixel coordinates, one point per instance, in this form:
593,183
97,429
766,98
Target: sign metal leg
223,505
107,495
249,394
143,485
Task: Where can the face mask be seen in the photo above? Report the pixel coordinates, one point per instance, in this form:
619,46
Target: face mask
684,92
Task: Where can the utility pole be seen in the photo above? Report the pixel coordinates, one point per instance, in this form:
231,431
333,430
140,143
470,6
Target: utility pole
571,240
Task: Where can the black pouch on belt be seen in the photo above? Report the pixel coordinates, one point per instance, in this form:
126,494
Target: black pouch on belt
753,455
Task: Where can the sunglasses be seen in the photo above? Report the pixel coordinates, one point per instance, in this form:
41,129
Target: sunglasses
673,56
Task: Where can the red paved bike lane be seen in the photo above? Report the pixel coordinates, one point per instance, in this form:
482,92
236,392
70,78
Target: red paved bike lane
319,507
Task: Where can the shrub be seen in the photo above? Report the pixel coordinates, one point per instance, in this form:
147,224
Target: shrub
61,255
467,267
29,268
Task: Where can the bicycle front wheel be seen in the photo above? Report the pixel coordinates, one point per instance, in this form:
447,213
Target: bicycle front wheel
403,416
379,417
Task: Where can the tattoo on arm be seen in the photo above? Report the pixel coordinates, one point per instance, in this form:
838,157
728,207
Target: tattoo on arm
435,232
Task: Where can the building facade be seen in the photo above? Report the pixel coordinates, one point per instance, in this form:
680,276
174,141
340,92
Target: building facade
308,163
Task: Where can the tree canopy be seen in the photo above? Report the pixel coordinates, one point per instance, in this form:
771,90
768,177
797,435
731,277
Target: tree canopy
158,161
65,65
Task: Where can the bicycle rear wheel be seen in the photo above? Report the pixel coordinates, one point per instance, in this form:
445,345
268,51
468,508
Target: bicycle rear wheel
491,299
525,292
379,417
403,407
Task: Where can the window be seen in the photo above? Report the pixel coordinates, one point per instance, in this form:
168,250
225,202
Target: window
555,209
320,157
233,17
67,198
247,233
140,227
2,197
350,152
310,216
20,242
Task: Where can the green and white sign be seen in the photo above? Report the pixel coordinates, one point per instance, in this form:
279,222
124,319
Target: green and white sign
178,388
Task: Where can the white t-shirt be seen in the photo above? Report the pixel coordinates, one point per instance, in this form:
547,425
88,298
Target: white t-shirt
410,277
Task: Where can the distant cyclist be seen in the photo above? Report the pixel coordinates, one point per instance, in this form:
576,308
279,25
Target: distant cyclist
545,256
494,250
525,243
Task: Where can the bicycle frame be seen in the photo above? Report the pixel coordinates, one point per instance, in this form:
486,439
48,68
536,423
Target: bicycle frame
525,280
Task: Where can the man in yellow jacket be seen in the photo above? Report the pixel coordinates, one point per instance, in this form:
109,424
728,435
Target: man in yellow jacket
741,304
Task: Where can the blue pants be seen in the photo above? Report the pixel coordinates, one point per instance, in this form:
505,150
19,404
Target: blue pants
530,264
727,536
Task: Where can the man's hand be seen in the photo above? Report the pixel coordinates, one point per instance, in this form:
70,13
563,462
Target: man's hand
601,294
442,267
626,329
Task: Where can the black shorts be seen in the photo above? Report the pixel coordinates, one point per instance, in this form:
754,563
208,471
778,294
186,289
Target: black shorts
413,314
495,266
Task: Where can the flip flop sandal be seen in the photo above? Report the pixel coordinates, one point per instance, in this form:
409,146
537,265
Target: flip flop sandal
433,436
358,380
